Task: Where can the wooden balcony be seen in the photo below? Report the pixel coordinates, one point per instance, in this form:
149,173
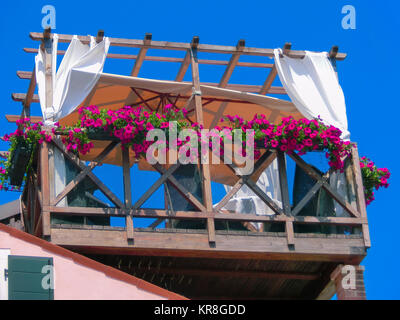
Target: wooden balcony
278,261
170,257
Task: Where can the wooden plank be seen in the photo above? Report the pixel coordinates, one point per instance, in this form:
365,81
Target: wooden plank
185,193
167,45
328,292
284,183
44,168
205,169
229,195
232,64
252,274
289,233
155,186
14,118
126,170
313,174
285,197
261,194
27,75
183,68
361,205
26,112
80,165
81,175
162,213
343,250
268,82
224,81
142,53
311,193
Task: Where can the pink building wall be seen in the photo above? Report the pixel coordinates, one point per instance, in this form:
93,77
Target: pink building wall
74,278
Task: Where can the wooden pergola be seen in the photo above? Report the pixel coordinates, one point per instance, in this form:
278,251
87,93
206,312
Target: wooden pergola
40,202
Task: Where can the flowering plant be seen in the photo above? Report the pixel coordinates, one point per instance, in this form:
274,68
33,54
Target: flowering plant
26,136
373,178
296,135
130,125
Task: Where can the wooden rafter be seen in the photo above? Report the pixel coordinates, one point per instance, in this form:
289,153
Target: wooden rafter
180,46
142,53
171,59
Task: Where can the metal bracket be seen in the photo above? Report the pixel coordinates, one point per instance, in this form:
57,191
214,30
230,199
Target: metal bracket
196,92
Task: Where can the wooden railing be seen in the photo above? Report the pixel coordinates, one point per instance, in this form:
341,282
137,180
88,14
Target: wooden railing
39,201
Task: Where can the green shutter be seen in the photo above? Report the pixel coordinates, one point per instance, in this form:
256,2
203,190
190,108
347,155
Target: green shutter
25,278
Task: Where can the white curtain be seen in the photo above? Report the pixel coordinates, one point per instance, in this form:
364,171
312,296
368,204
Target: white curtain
79,71
312,85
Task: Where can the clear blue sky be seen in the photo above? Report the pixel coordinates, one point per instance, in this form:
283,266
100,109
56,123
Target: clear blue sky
368,76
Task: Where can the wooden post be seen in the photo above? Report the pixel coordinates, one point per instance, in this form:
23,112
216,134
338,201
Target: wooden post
47,49
205,169
285,197
361,205
127,192
44,169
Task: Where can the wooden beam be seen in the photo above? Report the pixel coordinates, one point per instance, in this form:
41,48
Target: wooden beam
286,48
167,45
266,87
264,247
185,193
155,186
313,174
231,86
29,95
126,171
252,274
224,80
44,170
100,36
232,64
361,205
81,175
333,52
141,55
162,213
205,168
15,118
169,59
81,166
283,183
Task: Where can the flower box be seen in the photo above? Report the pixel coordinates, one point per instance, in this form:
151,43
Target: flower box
100,134
19,161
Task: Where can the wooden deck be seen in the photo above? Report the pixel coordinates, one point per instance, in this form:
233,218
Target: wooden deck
243,265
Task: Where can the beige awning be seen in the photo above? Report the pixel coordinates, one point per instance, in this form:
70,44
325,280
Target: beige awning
115,91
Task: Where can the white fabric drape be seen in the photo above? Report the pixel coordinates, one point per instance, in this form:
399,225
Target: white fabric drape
77,75
312,85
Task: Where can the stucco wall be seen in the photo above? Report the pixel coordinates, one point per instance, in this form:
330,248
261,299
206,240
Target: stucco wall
73,280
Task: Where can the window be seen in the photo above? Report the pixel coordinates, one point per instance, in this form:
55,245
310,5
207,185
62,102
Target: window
30,278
